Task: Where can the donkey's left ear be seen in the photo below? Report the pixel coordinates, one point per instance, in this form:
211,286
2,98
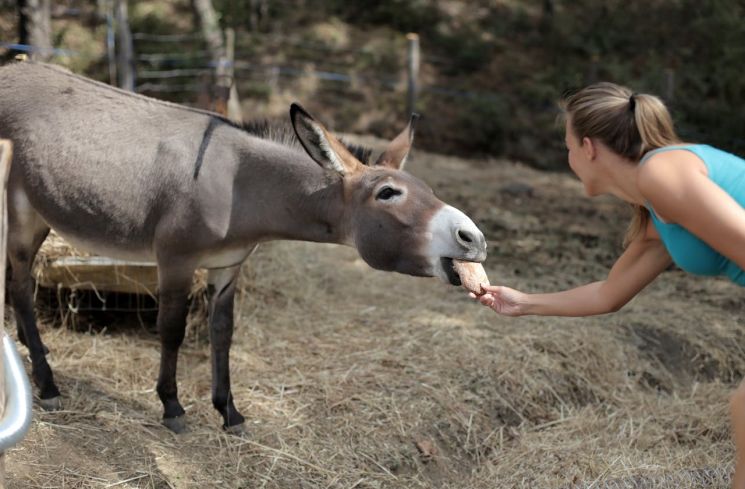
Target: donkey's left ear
398,150
320,144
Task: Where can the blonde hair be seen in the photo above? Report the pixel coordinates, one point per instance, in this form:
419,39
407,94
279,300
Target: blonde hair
630,124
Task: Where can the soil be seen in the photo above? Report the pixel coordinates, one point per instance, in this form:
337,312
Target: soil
354,378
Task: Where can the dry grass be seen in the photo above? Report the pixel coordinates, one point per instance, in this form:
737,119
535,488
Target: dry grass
355,378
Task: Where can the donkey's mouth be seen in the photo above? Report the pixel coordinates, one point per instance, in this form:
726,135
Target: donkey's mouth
447,266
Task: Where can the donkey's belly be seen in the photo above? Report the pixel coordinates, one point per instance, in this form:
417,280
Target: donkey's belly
116,225
103,234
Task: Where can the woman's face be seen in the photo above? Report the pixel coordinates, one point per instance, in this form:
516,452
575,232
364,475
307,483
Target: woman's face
578,159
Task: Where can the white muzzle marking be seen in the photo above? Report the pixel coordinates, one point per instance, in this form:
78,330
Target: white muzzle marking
444,243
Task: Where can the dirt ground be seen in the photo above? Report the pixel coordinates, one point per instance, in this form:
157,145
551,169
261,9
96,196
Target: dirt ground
354,378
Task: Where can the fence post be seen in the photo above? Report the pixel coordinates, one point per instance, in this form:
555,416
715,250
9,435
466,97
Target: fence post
108,5
234,112
669,84
592,72
412,71
125,56
35,27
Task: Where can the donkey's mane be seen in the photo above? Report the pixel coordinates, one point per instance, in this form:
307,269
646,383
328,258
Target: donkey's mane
281,132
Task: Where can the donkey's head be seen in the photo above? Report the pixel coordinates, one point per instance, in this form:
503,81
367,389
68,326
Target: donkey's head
391,217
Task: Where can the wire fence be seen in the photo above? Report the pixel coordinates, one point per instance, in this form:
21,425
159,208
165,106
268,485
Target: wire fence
26,48
182,69
179,68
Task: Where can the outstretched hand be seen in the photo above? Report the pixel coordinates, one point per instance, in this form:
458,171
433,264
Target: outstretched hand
503,300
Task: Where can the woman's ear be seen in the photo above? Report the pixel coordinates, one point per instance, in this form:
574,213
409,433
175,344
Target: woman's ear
589,148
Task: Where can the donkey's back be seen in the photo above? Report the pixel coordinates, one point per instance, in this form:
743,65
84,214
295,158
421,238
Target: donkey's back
94,160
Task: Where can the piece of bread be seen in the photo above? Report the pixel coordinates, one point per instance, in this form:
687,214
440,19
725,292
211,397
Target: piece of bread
472,275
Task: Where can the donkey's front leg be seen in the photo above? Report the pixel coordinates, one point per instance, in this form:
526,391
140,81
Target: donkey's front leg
223,282
173,293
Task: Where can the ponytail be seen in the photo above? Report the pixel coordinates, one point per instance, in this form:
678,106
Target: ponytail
630,124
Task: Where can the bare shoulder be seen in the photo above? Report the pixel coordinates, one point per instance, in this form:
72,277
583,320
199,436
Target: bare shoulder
669,169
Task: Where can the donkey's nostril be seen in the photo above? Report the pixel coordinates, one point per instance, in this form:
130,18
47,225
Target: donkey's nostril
465,236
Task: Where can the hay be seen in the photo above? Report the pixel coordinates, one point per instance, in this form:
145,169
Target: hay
699,478
355,378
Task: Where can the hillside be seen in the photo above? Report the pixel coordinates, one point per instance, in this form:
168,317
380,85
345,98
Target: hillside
491,72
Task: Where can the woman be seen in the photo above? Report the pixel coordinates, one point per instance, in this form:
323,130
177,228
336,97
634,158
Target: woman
689,204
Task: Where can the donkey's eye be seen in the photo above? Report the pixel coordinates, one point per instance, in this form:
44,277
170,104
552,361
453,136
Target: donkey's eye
386,193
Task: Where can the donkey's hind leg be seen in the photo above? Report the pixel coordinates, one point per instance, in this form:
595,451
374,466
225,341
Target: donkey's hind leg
26,233
222,282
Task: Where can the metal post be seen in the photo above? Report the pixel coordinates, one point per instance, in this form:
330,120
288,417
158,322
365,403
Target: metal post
6,150
15,390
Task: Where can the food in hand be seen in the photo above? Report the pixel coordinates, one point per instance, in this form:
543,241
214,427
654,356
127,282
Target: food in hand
472,276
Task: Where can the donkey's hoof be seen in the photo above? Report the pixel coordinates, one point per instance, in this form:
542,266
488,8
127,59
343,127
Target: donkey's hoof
239,430
176,424
51,404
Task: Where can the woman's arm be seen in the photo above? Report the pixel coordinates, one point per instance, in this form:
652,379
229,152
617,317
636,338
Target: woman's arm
643,260
677,186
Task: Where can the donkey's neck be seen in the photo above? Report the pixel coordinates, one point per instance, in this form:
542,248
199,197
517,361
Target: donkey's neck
289,195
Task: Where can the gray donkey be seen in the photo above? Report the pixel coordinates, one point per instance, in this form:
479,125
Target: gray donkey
131,177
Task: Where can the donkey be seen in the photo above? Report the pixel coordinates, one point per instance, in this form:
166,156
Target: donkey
130,177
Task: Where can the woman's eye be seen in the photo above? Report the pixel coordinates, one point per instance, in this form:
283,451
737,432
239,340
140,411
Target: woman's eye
386,193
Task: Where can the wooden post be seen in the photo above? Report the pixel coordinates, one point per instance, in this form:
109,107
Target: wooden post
226,95
234,111
125,55
108,7
669,84
222,57
412,71
6,151
272,78
35,27
592,72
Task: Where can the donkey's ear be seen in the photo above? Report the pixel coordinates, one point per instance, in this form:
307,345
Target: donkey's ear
398,150
320,144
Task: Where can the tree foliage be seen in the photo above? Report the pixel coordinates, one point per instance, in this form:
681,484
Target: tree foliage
525,54
493,69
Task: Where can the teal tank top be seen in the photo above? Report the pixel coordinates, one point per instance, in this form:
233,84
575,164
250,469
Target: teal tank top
687,251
